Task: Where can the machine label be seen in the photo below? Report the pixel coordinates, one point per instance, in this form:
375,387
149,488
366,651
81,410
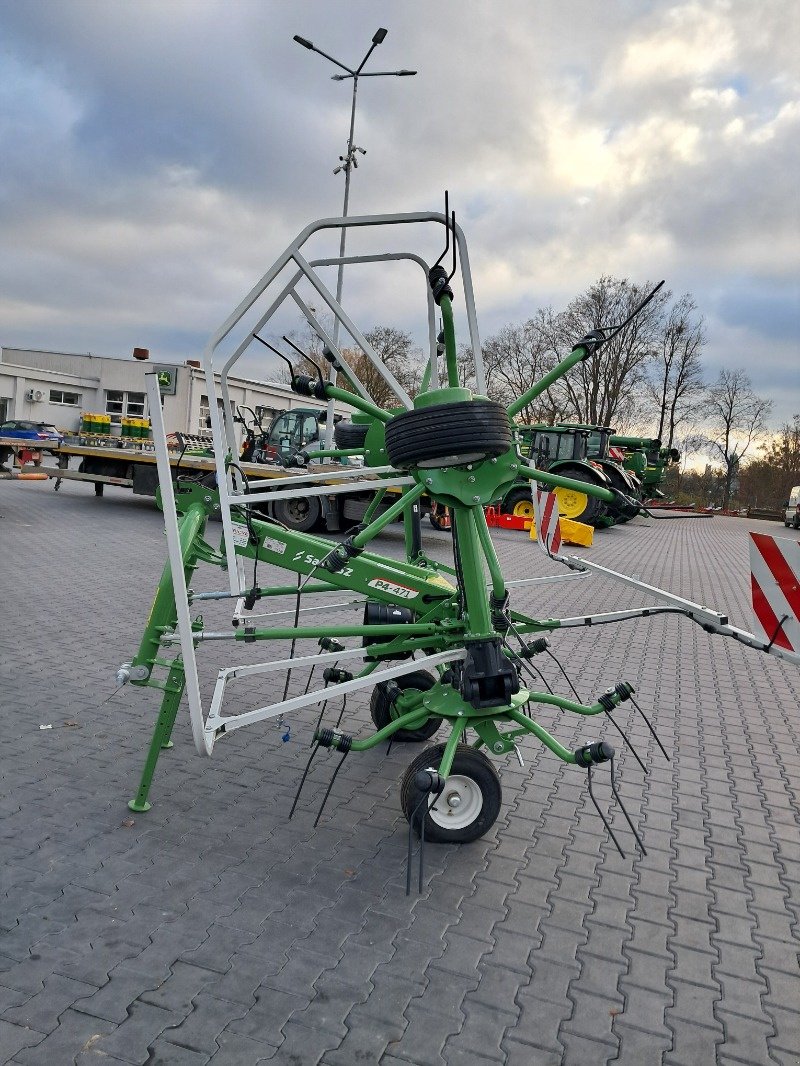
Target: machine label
241,535
276,546
401,591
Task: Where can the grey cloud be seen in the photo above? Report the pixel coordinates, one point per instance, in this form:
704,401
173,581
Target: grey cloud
157,156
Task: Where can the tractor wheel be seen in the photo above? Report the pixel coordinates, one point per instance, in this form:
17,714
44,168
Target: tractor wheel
448,434
349,434
622,513
469,805
519,503
299,514
579,506
384,710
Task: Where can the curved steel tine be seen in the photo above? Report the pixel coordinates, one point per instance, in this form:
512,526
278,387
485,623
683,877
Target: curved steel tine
446,227
618,798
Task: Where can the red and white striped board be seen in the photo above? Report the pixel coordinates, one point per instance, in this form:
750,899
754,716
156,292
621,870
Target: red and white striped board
548,527
775,581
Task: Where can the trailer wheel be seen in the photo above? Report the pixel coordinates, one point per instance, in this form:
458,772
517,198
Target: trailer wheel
467,807
350,434
383,709
448,434
300,513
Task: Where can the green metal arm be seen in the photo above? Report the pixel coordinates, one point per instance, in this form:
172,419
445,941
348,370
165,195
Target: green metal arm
577,355
451,357
555,481
333,392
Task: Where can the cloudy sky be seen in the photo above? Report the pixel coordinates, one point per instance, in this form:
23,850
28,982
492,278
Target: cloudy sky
157,156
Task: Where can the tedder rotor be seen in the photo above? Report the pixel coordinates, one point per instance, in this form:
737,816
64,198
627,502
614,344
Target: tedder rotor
441,648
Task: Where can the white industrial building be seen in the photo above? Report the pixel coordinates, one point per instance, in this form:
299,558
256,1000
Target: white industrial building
55,387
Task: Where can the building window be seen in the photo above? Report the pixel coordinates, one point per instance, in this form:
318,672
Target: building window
203,427
68,399
134,404
130,404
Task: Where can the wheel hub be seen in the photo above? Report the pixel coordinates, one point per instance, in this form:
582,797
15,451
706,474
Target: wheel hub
459,805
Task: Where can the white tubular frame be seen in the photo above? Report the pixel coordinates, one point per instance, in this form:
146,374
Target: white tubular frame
228,482
711,621
202,742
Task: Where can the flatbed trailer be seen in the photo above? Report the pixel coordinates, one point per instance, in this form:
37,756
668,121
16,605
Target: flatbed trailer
133,466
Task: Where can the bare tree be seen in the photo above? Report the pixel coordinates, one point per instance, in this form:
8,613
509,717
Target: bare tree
674,384
607,387
398,353
736,417
516,358
767,480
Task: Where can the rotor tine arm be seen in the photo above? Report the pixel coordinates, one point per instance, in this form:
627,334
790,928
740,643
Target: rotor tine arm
649,725
603,818
330,786
618,798
303,779
622,733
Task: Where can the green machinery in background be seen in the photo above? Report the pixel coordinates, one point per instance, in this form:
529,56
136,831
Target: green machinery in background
580,453
645,457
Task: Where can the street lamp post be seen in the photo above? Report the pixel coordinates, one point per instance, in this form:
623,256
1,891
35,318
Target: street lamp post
348,163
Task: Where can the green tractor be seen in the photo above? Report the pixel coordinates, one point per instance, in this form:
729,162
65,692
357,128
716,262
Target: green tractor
644,457
581,453
621,477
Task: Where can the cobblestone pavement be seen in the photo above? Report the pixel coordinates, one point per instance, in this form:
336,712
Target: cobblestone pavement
212,929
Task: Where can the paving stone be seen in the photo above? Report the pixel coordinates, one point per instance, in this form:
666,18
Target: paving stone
213,894
14,1038
131,1040
200,1030
74,1033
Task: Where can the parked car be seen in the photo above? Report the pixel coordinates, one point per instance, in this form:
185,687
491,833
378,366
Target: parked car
22,429
791,515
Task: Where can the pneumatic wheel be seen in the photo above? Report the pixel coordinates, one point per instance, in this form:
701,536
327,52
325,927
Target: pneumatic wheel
467,807
350,434
448,434
519,503
578,506
300,513
384,710
622,512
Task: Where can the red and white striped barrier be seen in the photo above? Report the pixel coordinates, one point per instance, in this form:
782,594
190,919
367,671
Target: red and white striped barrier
775,582
548,527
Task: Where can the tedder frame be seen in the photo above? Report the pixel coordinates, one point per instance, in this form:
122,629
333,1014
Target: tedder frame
440,646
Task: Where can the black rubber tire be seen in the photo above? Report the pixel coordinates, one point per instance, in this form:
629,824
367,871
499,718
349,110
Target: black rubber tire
380,707
514,497
348,434
622,513
448,434
300,513
467,763
595,510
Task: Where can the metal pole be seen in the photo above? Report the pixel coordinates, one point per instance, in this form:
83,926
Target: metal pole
332,372
348,164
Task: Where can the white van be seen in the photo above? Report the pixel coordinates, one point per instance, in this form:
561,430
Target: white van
792,515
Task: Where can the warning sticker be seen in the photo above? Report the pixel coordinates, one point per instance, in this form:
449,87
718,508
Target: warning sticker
400,591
